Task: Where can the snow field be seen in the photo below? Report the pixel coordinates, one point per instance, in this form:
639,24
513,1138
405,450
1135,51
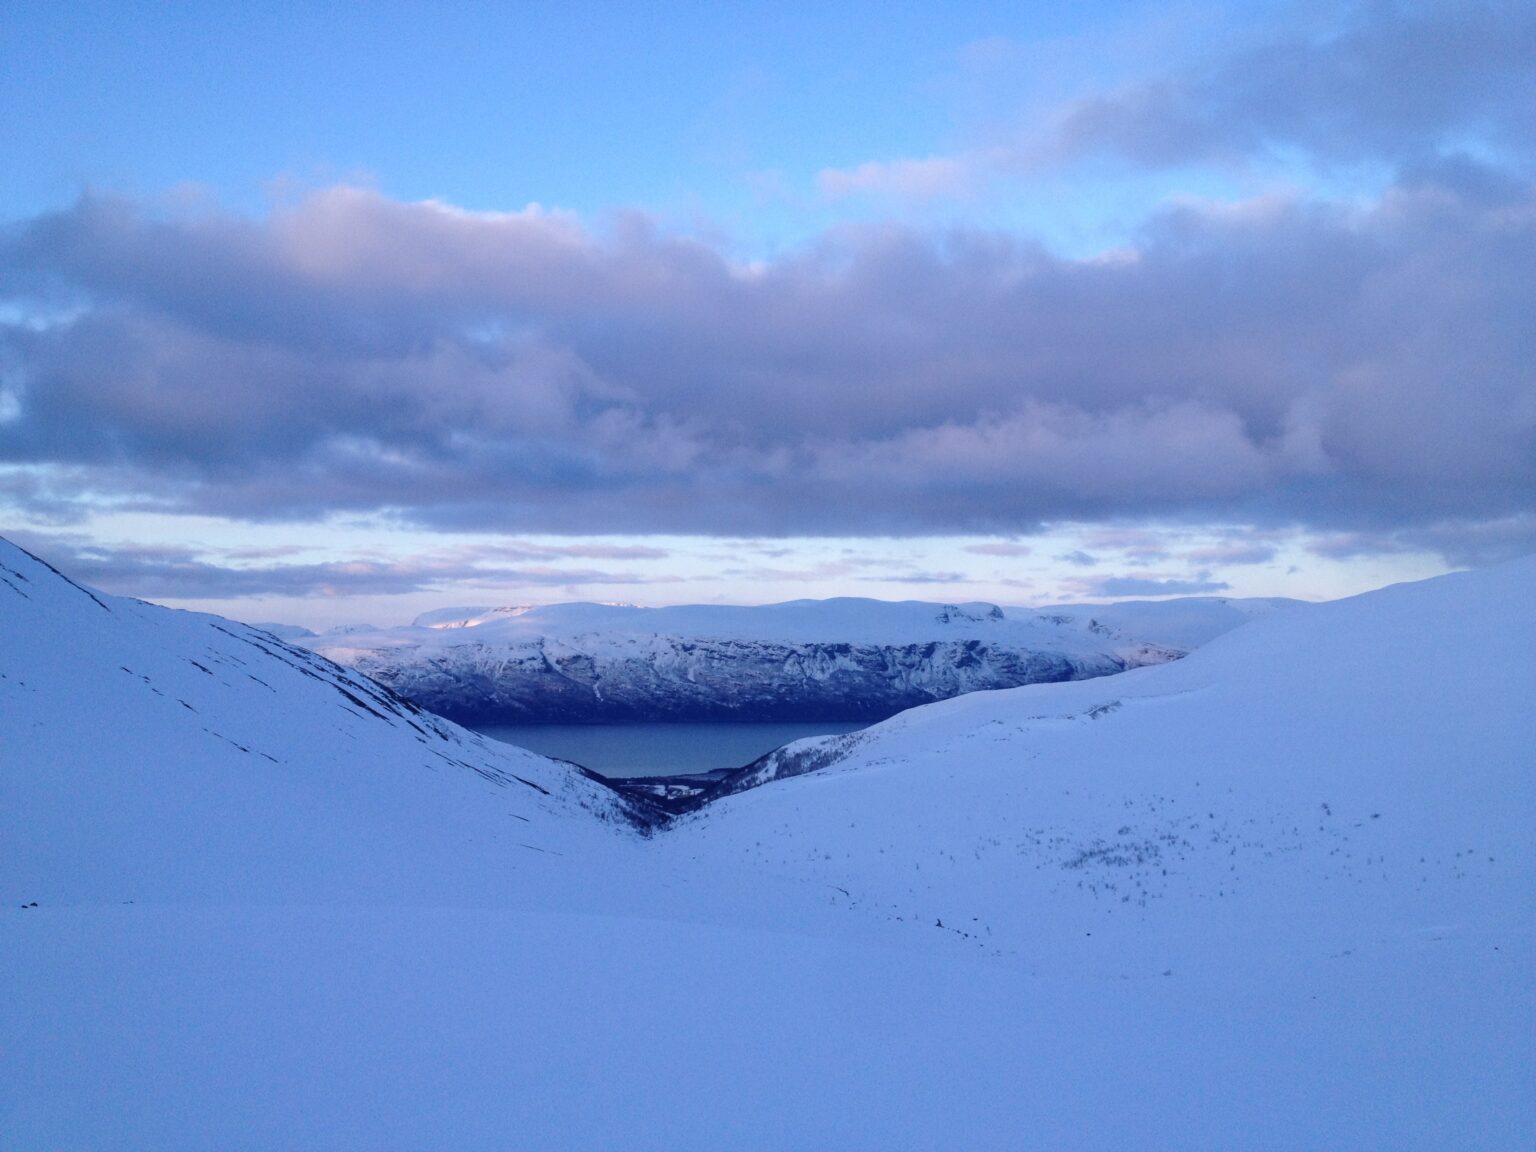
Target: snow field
1278,895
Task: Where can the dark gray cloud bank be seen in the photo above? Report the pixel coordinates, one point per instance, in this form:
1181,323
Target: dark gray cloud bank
1363,370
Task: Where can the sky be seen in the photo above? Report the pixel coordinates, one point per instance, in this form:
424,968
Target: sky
325,313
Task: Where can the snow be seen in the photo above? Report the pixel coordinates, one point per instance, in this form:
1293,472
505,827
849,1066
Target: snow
466,617
151,754
840,620
1278,895
803,660
1184,622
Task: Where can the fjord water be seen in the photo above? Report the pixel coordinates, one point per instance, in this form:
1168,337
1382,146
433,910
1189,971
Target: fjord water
619,750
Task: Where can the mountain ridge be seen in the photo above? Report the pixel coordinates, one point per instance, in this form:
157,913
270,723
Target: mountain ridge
840,659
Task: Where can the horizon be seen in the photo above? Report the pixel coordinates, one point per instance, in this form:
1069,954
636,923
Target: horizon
321,613
528,608
1022,304
831,575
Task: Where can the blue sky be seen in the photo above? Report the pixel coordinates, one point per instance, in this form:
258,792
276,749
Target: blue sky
717,119
317,312
670,107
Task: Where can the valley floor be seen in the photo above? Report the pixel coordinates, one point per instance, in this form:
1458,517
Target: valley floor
371,1027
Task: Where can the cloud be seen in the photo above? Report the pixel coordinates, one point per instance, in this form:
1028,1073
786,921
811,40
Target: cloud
927,178
1461,544
1142,545
1335,87
1000,548
1079,558
1281,361
185,574
529,550
1376,82
827,570
1125,586
919,578
1231,554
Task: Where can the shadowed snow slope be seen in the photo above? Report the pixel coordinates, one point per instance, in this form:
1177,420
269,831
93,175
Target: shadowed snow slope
1278,895
152,754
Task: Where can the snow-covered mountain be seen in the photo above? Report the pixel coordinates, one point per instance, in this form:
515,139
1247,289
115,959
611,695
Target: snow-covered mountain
1415,694
1280,894
153,754
805,660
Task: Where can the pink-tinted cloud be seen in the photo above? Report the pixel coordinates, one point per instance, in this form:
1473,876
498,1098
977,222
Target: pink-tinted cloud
1355,368
1000,548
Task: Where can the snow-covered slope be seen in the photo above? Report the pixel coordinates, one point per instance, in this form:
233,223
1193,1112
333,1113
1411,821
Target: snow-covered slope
1278,895
1412,705
1305,853
1185,622
152,754
804,660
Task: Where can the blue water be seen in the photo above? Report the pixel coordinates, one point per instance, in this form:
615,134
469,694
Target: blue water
657,749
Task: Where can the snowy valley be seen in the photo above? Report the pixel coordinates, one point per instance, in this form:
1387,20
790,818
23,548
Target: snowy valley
1277,894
